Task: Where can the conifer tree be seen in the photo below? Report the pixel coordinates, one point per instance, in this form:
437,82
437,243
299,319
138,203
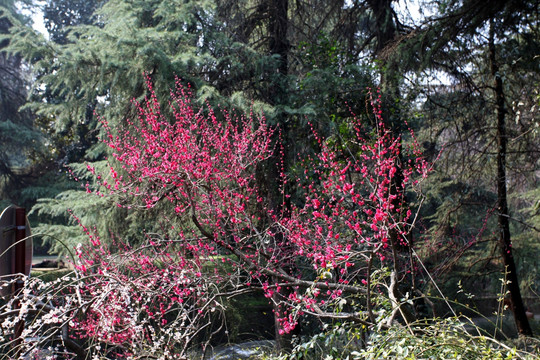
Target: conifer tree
20,142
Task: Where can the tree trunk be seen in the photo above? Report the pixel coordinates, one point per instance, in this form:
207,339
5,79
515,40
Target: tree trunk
278,163
522,323
386,33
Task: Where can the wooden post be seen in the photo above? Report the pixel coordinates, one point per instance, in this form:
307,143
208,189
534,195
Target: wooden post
20,234
20,260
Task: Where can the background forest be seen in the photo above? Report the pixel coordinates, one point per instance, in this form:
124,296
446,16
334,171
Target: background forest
459,83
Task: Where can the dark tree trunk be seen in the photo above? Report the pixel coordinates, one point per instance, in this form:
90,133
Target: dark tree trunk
277,26
278,163
505,243
386,33
278,45
385,30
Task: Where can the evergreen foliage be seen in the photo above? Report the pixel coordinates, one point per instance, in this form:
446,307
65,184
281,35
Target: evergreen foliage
21,142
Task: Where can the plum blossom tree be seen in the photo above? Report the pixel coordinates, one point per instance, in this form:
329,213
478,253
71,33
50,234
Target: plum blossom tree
315,259
205,168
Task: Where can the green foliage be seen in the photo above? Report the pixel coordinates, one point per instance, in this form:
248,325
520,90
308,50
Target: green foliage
329,87
435,339
443,339
336,342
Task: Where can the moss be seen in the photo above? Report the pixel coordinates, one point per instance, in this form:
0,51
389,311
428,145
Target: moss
49,275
